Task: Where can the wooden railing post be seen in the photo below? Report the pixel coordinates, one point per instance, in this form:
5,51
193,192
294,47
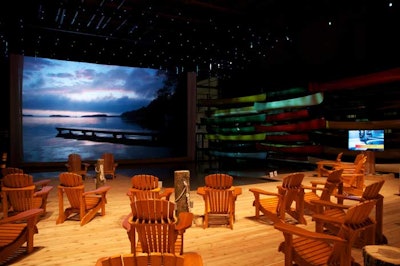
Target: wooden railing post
182,190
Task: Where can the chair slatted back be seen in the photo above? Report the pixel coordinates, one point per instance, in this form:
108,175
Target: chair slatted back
18,190
219,201
144,182
153,209
332,182
292,181
371,192
109,164
74,162
73,187
153,223
219,181
153,259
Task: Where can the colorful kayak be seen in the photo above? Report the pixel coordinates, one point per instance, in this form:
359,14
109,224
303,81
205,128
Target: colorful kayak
236,100
260,155
302,149
299,114
235,120
235,111
309,125
232,130
270,95
304,101
250,137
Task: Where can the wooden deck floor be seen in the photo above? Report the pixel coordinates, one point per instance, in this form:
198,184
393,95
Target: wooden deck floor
251,242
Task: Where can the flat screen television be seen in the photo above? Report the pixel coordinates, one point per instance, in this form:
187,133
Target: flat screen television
366,140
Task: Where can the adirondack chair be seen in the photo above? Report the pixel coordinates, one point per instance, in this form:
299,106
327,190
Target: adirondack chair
304,247
109,164
220,181
148,183
86,204
334,214
353,178
75,165
324,167
219,206
316,192
152,227
17,230
275,205
154,259
20,194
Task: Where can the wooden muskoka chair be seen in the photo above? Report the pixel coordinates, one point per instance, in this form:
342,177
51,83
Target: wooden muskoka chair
275,205
304,247
324,167
86,204
146,186
19,194
334,214
110,166
152,227
316,192
220,181
219,206
75,165
17,230
353,178
153,259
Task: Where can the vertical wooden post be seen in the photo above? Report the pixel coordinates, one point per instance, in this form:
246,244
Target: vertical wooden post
182,190
370,163
100,178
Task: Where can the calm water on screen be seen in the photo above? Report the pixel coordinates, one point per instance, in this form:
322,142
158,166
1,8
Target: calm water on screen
40,143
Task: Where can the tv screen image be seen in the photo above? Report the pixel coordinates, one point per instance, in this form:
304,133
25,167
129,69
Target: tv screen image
366,140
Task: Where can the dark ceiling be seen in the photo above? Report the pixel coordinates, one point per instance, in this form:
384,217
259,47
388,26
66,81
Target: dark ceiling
214,37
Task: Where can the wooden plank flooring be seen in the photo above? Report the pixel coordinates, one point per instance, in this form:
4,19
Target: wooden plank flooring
251,242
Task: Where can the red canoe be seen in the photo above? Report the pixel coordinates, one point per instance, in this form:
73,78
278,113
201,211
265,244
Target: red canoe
313,124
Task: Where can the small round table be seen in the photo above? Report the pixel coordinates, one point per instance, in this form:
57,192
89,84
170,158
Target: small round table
381,255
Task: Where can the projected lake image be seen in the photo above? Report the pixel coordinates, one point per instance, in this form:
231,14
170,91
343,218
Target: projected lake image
99,97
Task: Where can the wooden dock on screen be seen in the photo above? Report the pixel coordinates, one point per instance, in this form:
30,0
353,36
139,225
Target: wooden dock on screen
110,135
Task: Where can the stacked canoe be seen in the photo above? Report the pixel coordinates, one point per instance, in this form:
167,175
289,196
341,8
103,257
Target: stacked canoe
275,125
297,123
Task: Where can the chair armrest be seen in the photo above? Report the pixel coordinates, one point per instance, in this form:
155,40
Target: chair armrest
100,190
25,215
185,220
295,230
348,197
167,193
317,182
314,188
43,191
125,222
86,165
331,204
263,192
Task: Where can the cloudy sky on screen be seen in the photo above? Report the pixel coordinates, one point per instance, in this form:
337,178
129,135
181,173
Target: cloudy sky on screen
56,87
